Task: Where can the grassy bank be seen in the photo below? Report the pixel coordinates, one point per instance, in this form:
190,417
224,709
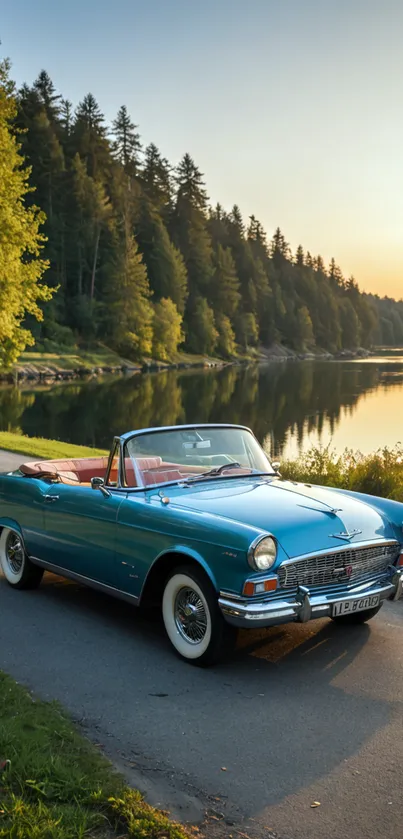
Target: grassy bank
379,473
100,358
56,785
71,359
38,447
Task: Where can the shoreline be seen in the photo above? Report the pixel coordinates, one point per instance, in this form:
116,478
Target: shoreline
48,372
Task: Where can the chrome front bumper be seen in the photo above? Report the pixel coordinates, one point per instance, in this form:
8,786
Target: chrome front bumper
304,606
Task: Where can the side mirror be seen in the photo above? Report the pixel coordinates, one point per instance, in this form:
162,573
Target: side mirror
99,483
276,465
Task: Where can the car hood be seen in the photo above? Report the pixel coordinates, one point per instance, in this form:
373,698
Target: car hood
303,518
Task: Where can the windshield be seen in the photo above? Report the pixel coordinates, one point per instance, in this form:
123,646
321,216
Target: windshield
192,454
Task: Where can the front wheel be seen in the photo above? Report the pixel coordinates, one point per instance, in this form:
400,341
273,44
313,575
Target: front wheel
192,618
358,617
17,568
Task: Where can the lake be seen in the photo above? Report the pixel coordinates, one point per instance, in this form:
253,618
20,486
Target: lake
290,406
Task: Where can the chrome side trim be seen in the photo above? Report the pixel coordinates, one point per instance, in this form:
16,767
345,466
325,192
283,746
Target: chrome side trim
87,581
368,543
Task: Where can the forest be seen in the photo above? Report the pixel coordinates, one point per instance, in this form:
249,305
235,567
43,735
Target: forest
136,257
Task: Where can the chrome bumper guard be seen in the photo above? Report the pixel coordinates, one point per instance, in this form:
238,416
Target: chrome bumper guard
304,606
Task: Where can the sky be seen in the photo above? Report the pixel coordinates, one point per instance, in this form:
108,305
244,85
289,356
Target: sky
292,109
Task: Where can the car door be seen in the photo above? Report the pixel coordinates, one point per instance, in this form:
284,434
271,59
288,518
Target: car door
80,530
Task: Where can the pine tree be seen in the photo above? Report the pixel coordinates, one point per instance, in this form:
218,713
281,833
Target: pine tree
189,227
202,333
226,344
247,330
66,117
257,236
94,215
126,146
156,176
46,91
319,265
190,184
308,260
243,258
335,274
129,311
350,325
21,267
304,336
225,295
165,265
217,226
279,248
236,221
89,135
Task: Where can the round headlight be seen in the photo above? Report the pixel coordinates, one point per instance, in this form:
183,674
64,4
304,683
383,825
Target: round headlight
262,554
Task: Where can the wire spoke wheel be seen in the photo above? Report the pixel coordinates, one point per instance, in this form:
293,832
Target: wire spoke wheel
193,620
14,553
15,563
190,616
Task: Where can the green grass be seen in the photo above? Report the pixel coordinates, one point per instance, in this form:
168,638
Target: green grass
43,449
379,473
72,359
99,357
58,786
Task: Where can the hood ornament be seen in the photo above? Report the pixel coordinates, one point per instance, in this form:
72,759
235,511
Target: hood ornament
330,511
346,535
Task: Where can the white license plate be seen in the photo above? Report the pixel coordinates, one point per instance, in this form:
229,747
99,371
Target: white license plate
345,607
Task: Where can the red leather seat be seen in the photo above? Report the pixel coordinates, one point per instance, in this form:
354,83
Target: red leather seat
80,471
159,476
76,471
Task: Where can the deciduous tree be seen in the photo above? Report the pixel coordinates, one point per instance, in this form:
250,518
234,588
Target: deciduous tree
21,266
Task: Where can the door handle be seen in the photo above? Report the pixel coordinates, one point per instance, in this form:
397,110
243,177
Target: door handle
50,498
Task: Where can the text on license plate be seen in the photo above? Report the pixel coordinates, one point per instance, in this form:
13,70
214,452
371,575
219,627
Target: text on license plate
344,607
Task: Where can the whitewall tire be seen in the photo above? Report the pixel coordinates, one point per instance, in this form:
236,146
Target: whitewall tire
192,618
16,566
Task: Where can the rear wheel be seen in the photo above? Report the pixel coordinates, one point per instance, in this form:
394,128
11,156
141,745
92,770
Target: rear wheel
358,617
192,618
17,568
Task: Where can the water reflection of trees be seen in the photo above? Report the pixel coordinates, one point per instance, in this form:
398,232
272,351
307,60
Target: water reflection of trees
13,404
275,400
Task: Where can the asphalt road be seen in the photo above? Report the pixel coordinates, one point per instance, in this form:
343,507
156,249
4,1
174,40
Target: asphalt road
301,713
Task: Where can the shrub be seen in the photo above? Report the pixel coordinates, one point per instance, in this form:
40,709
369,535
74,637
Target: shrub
380,473
58,335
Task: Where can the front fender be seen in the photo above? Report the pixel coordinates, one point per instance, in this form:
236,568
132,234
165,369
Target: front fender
187,553
387,507
5,521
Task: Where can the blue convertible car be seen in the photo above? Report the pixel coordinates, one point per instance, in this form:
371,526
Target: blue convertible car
197,520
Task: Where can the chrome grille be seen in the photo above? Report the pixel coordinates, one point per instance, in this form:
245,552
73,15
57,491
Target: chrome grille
351,565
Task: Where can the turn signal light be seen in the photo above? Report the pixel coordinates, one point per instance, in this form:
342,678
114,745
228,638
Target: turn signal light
400,561
259,587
